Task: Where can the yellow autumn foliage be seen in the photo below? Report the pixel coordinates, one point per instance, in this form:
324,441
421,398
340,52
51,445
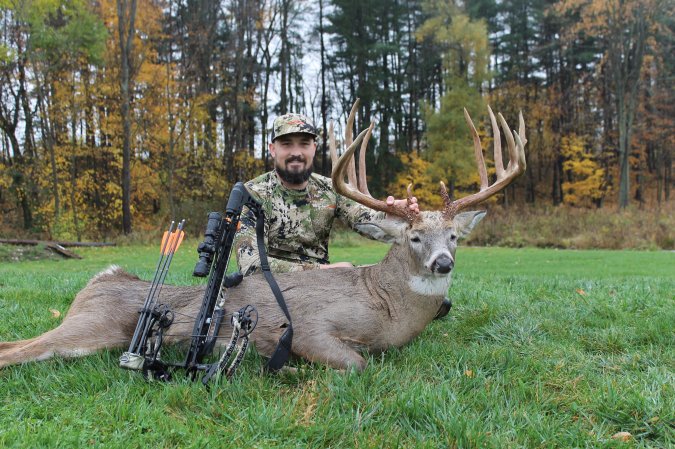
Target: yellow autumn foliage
585,184
5,179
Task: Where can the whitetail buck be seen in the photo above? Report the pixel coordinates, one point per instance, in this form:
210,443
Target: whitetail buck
336,313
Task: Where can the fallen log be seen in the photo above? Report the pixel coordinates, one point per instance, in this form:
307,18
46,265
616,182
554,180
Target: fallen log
61,250
48,242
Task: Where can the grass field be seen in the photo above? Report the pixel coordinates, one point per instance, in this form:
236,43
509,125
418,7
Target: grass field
543,348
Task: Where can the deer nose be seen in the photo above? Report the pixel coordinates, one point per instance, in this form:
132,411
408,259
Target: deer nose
443,264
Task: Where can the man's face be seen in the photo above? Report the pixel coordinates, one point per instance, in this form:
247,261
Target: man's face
293,157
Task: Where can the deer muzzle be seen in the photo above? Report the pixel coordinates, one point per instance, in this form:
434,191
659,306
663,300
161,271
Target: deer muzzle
443,264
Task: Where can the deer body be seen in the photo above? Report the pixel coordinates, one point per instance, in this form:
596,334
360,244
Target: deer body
374,309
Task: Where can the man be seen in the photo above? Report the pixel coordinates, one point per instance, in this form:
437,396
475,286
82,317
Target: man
300,206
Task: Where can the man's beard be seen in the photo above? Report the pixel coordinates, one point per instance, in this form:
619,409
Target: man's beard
291,177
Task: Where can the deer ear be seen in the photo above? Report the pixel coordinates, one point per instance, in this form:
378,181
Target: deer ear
465,222
387,231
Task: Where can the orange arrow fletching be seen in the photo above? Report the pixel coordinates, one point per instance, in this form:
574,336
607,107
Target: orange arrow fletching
180,240
168,249
162,247
174,242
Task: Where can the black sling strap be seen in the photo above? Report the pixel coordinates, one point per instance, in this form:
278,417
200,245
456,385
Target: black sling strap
283,350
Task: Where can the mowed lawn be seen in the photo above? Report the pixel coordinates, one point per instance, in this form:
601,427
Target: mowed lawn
543,348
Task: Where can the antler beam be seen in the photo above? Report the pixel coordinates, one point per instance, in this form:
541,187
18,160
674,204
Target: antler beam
516,147
357,188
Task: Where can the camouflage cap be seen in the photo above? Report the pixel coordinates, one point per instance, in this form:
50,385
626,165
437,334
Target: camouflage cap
292,123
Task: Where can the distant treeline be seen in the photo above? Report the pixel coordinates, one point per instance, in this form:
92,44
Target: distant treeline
117,114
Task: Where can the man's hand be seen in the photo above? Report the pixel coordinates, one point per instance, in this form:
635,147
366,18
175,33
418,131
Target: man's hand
337,265
413,206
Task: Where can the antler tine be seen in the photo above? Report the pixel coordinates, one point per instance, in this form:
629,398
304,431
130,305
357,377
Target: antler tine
363,182
444,194
351,170
478,151
497,137
348,191
516,166
510,142
408,190
351,173
350,122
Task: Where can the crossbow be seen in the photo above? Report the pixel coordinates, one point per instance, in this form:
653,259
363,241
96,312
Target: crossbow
155,318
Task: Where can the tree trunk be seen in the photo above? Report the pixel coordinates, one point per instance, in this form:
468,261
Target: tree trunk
625,48
284,57
29,141
126,15
324,105
74,161
624,145
48,142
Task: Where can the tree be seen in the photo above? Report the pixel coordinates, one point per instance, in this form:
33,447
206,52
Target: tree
464,46
126,16
13,101
658,100
324,98
378,59
623,27
47,42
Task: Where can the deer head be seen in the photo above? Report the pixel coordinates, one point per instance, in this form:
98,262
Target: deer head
426,243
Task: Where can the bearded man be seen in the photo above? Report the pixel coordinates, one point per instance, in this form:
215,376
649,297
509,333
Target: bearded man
300,206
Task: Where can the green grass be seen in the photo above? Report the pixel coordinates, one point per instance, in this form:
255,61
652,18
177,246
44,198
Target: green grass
543,348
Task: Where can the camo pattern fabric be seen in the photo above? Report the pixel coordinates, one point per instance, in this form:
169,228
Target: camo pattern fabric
292,123
297,223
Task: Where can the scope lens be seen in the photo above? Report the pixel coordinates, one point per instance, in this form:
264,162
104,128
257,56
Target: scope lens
201,269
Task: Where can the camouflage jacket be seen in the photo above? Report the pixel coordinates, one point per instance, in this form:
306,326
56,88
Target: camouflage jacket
297,223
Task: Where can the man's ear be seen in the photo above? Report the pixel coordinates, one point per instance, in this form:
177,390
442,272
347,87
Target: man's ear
388,230
272,149
465,222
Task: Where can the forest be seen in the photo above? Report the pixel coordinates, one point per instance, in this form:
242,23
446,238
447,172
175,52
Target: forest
118,115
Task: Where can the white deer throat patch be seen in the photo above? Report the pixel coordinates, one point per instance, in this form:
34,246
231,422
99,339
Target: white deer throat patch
430,286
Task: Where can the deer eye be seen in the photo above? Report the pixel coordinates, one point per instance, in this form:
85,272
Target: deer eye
415,239
453,237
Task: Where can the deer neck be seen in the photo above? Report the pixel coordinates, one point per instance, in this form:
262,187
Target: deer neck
408,299
398,270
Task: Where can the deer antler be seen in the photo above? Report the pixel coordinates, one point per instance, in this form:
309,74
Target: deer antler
516,166
357,188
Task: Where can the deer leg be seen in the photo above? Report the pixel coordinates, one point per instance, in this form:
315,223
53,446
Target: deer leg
330,351
6,346
65,341
79,334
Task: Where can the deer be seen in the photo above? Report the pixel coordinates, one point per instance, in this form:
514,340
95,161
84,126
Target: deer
338,313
